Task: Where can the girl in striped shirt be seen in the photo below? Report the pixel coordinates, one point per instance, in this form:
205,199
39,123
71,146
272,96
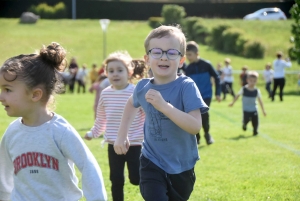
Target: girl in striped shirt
121,70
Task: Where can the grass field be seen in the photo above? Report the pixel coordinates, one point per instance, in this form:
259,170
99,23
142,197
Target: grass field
83,39
238,167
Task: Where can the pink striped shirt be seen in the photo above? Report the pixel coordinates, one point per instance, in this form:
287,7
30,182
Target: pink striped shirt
109,114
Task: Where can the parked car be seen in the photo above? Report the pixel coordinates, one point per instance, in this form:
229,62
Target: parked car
266,14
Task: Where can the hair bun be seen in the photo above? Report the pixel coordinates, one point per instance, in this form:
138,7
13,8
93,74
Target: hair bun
54,54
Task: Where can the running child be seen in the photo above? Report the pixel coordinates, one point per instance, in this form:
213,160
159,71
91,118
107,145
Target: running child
243,76
173,107
268,77
39,149
228,78
120,69
201,71
250,94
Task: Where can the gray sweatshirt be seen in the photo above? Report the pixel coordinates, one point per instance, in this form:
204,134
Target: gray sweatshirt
37,163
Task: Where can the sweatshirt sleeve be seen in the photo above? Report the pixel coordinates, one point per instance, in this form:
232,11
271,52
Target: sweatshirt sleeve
74,148
6,172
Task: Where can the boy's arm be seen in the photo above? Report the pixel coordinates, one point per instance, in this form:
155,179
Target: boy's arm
216,77
237,96
234,100
190,122
121,144
262,106
288,63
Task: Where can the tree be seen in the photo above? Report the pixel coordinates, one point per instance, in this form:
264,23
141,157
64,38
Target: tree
294,52
173,14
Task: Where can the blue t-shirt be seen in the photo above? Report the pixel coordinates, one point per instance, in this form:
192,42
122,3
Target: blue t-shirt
165,144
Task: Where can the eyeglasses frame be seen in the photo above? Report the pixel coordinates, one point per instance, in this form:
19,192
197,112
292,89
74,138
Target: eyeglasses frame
179,53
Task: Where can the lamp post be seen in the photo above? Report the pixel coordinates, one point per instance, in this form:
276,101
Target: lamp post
104,24
74,9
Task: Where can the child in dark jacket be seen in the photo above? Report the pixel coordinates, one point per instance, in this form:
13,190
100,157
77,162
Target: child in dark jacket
201,72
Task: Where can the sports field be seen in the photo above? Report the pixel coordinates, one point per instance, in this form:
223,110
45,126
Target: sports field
238,167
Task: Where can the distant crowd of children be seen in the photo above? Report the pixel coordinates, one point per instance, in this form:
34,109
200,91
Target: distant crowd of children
149,114
74,75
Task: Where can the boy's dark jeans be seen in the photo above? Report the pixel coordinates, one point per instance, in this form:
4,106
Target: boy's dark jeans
116,166
157,185
229,89
253,117
268,88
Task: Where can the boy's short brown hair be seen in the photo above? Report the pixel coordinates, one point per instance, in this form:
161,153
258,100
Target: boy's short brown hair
252,74
245,67
279,54
163,31
227,60
269,64
192,46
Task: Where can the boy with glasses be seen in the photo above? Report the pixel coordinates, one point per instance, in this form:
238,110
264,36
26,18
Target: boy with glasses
173,107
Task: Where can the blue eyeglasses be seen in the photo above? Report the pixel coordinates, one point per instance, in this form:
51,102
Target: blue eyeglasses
157,53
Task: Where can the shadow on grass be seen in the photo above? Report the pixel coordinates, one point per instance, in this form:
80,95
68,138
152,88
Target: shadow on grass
84,129
290,93
240,137
202,146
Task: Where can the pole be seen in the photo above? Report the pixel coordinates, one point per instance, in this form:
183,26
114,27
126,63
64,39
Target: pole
74,9
104,24
104,44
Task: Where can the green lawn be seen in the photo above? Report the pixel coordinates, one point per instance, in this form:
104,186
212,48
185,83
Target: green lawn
83,39
238,167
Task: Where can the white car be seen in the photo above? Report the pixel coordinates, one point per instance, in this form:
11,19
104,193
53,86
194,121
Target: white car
266,14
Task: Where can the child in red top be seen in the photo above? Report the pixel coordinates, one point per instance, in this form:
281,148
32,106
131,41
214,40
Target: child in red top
243,76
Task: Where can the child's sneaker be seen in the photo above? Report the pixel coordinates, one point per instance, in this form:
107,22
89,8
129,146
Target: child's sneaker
255,133
208,138
244,127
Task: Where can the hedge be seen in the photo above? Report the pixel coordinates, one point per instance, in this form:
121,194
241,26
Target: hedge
50,12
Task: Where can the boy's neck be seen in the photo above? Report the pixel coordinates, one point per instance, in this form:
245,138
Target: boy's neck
251,87
157,81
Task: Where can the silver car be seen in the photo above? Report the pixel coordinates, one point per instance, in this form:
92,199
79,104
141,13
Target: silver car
266,14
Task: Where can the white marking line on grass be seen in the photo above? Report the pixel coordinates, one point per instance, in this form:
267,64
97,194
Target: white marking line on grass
268,138
265,136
